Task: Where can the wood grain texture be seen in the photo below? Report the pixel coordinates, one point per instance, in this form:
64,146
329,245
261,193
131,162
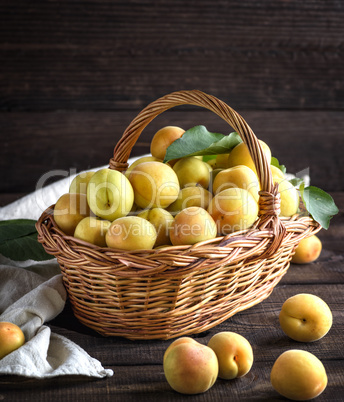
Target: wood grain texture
106,55
72,141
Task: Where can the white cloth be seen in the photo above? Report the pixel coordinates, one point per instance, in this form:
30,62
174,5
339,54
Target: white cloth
29,297
31,294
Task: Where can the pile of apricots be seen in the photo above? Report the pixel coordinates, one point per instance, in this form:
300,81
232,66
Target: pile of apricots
182,202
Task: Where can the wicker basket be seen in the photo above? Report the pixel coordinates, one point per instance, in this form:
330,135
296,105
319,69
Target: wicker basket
178,290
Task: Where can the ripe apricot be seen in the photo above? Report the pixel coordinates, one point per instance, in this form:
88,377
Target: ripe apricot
163,139
308,250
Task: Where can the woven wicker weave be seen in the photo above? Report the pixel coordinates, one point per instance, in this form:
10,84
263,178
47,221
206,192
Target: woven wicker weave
178,290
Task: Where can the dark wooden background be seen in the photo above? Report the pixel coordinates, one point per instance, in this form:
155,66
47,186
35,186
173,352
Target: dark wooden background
73,74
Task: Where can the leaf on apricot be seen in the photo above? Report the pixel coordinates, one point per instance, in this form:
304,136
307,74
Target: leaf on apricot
199,141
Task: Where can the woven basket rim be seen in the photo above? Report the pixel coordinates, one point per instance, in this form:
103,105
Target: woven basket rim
173,256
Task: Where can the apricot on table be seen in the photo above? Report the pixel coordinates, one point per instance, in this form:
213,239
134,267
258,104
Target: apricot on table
305,317
234,354
189,366
298,375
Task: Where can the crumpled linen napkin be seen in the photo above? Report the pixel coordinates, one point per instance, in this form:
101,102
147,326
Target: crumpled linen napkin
29,297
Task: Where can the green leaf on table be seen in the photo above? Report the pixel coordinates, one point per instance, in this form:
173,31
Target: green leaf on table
18,241
199,141
275,162
319,204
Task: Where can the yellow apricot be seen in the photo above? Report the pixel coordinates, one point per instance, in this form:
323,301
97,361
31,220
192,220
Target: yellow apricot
192,225
212,163
155,185
298,375
141,160
109,194
213,174
162,221
69,210
290,199
80,182
221,161
131,233
238,176
192,171
277,174
11,338
233,209
163,138
240,155
92,230
189,366
234,353
308,250
194,196
305,317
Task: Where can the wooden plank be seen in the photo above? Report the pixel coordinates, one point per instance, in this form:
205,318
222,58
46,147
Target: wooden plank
103,55
146,383
69,141
138,365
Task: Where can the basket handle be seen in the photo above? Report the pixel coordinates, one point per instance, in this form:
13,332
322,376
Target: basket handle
196,98
269,202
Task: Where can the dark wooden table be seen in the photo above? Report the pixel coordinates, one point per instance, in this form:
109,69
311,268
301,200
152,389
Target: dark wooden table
137,365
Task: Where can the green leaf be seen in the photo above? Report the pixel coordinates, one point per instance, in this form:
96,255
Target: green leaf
275,162
296,181
18,241
319,204
207,158
13,228
199,141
